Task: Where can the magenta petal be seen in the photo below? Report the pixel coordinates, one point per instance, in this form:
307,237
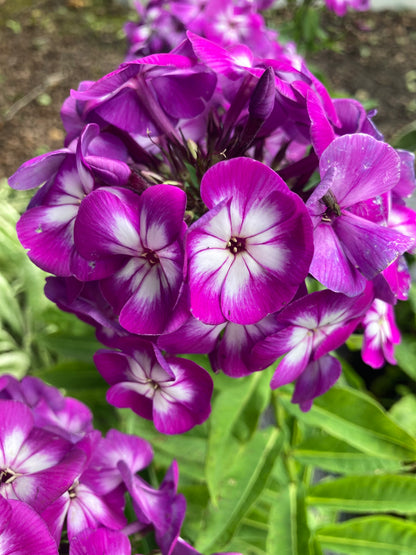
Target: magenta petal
319,376
16,425
331,266
97,542
292,365
23,531
192,337
365,168
55,515
102,474
162,209
244,180
47,231
218,58
89,510
115,369
164,509
233,354
42,488
322,132
370,247
191,92
107,224
185,402
37,171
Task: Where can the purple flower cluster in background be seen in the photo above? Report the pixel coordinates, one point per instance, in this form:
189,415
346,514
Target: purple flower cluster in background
63,482
340,7
214,199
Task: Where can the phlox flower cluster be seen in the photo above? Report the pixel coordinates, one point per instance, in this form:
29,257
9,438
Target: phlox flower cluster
340,7
215,200
63,485
162,24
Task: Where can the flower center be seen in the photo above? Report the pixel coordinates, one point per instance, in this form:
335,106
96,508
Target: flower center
7,476
73,489
152,383
151,257
236,245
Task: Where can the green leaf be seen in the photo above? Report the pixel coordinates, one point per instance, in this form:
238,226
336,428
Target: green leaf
355,418
334,455
405,353
71,346
14,362
378,535
407,139
10,312
236,411
73,375
244,483
288,529
404,413
385,493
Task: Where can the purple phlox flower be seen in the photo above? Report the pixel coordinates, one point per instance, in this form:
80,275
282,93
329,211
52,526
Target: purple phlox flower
407,183
351,118
394,282
46,228
36,466
158,30
30,391
310,328
22,530
249,253
380,335
402,218
227,24
229,345
102,474
352,244
71,115
100,541
340,7
149,95
229,64
163,509
71,421
319,376
146,231
86,301
81,506
175,393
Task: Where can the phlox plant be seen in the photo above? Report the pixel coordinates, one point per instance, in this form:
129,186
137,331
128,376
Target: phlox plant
228,229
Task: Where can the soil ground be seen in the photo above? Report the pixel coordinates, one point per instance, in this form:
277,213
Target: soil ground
48,46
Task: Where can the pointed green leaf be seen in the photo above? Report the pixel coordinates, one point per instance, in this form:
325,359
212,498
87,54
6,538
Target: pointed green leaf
236,411
334,455
288,528
385,493
404,413
10,311
357,419
243,484
14,362
405,353
374,535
